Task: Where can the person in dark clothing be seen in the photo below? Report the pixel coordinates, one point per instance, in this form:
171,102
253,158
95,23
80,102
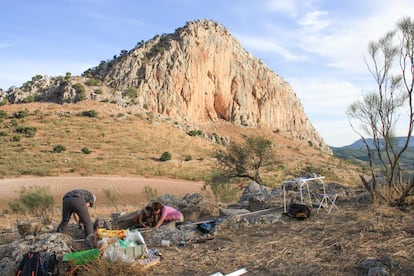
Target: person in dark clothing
146,217
76,202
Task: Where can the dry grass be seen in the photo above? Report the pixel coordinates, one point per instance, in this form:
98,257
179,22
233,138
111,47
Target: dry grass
130,142
325,244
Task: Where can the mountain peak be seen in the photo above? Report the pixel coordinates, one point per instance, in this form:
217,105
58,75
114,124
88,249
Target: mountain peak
201,74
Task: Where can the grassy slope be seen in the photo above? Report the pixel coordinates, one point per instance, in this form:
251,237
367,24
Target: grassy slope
125,142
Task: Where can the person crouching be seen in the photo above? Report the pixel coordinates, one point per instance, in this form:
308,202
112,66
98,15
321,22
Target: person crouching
166,214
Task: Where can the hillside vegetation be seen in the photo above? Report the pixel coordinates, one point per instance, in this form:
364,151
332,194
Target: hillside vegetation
97,138
358,155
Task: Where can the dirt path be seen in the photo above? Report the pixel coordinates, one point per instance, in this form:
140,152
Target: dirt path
127,189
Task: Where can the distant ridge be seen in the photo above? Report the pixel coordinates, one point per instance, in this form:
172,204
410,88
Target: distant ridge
358,144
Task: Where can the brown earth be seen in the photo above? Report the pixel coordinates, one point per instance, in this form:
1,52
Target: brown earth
129,190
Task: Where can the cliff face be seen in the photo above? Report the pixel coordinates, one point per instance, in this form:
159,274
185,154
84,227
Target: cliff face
200,74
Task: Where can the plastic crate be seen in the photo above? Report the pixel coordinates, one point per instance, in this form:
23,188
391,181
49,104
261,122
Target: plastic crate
136,251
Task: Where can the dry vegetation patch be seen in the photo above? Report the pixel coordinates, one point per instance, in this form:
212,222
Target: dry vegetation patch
126,141
325,244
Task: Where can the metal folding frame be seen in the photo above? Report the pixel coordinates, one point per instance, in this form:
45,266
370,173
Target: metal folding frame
301,183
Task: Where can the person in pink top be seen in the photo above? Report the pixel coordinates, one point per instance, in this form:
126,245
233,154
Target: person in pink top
166,214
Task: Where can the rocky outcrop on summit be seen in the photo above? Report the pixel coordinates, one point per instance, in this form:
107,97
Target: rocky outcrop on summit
197,75
202,74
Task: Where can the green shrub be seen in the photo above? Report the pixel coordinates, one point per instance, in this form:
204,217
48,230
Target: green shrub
85,150
80,91
37,77
59,148
13,122
3,133
98,91
93,82
16,138
68,76
26,131
150,192
29,99
222,189
132,92
216,138
150,117
188,158
111,196
165,156
36,201
89,113
3,114
21,114
195,133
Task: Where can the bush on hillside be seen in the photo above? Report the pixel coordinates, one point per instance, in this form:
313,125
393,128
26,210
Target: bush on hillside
166,156
21,114
26,131
36,201
3,114
80,91
195,133
89,113
59,148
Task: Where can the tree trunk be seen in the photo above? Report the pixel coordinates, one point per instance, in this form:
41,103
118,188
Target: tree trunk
406,192
369,187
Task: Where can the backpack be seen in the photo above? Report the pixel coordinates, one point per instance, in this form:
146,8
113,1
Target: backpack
298,211
35,264
50,264
31,265
206,227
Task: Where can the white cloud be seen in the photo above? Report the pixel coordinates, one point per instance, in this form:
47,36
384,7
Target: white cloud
261,44
336,133
325,102
286,7
324,96
313,22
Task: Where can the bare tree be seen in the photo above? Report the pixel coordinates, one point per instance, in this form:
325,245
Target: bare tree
392,66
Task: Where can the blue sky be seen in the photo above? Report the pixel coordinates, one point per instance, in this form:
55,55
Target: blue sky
316,45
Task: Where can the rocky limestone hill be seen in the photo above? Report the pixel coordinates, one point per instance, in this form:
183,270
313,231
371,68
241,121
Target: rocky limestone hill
200,74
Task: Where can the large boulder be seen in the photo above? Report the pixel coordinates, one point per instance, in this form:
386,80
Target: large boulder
11,254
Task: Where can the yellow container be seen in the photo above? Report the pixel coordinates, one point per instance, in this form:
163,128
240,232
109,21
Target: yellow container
105,233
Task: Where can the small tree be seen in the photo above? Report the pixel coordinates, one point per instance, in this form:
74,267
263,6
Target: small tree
165,156
379,112
245,159
35,201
